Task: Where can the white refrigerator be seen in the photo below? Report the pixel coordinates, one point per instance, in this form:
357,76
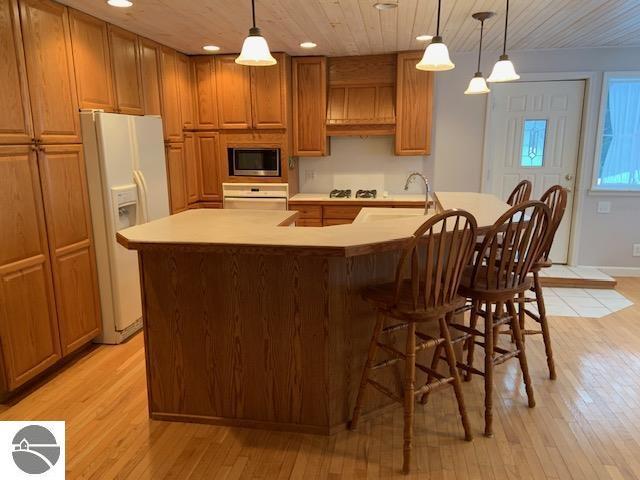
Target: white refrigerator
127,181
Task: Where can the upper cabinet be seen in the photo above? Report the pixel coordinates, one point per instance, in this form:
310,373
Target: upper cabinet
171,112
206,106
127,71
252,97
15,120
414,102
50,72
150,67
309,89
185,90
90,41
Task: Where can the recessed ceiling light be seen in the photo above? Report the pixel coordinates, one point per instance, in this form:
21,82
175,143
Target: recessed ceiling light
385,5
308,45
120,3
211,48
424,38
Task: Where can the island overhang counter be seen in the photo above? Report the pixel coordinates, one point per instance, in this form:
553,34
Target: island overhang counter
251,322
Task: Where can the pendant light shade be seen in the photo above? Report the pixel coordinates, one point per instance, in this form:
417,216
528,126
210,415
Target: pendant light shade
503,70
255,50
478,84
436,55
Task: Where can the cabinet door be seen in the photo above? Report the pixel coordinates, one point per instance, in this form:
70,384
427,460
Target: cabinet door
171,115
68,217
176,171
127,71
28,324
234,93
52,86
309,106
90,44
192,169
207,147
15,120
150,63
185,91
414,99
269,94
206,98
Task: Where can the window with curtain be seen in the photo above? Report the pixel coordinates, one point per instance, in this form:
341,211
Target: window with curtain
618,161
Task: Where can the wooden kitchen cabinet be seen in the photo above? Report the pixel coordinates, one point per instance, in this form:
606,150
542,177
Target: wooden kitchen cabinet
68,218
309,77
185,91
208,148
192,168
92,62
127,71
150,68
176,172
269,94
233,84
15,120
50,72
414,102
171,112
206,109
28,321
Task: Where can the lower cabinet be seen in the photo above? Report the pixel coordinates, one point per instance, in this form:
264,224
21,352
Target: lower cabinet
177,175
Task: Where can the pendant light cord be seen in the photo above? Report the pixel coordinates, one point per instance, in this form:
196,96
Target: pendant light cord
253,12
506,24
480,49
438,22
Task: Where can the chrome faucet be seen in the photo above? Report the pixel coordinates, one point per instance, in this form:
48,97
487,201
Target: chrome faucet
427,188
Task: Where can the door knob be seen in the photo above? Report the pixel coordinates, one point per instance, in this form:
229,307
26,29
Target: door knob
568,177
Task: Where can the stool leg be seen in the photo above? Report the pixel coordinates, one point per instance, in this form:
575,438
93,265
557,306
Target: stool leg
373,346
471,342
542,314
521,355
488,372
434,366
522,315
409,400
453,371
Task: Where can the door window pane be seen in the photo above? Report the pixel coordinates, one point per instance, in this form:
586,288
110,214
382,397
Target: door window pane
619,166
534,134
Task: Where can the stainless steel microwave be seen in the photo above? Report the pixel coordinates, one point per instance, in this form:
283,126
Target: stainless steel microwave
254,162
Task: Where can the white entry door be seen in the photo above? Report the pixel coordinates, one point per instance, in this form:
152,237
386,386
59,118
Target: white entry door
534,134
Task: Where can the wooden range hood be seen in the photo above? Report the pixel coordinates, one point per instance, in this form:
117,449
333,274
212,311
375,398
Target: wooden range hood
362,95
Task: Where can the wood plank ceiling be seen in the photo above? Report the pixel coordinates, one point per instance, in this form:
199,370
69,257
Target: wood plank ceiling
354,27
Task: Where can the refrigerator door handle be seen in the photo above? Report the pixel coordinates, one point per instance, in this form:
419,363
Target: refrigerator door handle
143,214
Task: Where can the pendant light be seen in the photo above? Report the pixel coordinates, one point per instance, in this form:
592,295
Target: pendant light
478,84
503,70
255,51
436,55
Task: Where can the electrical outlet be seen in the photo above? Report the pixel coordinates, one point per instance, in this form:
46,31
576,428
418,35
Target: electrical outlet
604,207
636,249
310,175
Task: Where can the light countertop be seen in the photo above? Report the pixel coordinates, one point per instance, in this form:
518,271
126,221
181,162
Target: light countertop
262,231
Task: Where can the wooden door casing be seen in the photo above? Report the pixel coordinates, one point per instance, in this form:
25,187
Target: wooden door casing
92,62
171,112
127,71
309,76
50,72
233,84
15,121
150,68
28,321
206,111
176,173
269,94
208,151
68,218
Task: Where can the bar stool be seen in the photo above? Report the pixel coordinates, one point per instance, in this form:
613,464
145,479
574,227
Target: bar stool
435,257
556,199
498,275
521,193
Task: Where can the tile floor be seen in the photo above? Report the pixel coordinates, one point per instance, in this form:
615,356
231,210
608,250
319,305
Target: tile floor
564,271
581,302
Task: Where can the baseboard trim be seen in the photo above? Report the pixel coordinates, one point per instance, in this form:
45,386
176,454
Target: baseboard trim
621,271
562,282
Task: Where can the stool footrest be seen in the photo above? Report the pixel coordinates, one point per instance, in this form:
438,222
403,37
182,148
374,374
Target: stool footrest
505,356
430,371
434,385
468,330
532,332
384,390
393,328
468,368
532,315
385,363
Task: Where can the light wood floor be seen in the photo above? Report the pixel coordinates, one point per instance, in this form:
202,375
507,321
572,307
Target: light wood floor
586,424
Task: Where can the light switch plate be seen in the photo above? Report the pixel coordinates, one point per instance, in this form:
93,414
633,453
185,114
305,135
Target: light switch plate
604,207
636,249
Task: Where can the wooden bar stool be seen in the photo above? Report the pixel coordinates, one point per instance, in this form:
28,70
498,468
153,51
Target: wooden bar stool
556,199
521,193
435,257
498,275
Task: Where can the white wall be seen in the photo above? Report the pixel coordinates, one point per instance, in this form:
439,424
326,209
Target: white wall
458,134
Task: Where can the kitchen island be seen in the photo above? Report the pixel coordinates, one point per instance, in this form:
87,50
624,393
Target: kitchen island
251,322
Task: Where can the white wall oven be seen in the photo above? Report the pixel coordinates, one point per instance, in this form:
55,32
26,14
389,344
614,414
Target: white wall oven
255,196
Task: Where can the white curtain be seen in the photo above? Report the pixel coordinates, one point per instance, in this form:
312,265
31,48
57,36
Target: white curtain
620,160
